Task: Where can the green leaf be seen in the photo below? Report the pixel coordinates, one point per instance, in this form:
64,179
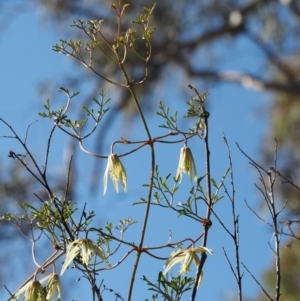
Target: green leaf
142,201
214,182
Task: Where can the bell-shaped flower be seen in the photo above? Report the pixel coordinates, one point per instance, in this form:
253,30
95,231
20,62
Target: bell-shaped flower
186,164
185,257
53,287
87,248
116,171
35,292
33,287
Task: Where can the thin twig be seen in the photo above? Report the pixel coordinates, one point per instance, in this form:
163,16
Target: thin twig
205,116
235,220
257,282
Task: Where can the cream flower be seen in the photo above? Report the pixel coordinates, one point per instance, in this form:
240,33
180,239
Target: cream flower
53,287
34,289
186,164
185,257
87,248
35,292
116,171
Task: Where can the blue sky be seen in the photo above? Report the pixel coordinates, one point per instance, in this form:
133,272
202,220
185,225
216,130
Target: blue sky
27,60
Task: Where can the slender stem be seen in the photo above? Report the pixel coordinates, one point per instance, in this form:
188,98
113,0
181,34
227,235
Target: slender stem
48,149
275,214
235,235
208,211
204,115
276,236
147,210
143,232
267,191
208,179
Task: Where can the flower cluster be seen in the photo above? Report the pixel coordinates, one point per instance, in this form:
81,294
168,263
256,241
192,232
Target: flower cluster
34,291
117,171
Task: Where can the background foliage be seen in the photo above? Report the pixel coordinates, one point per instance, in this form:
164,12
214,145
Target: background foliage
204,40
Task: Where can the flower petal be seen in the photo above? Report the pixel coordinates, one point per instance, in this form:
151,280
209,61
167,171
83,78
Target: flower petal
196,260
114,180
105,177
200,280
175,257
185,267
70,256
85,251
203,249
98,251
178,176
35,292
190,164
53,287
119,171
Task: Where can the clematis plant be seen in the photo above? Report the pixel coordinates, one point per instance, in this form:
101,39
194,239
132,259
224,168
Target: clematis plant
116,171
35,291
185,257
186,164
53,286
87,248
